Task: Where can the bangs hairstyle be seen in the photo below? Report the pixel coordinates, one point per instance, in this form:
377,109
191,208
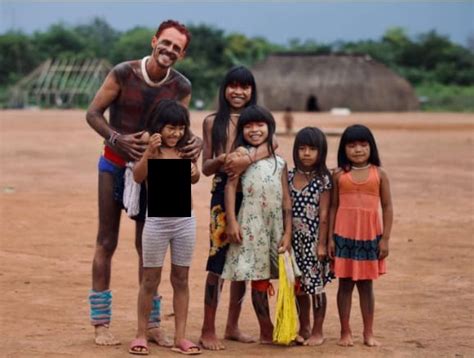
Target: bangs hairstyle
169,112
312,137
178,26
237,75
252,114
356,133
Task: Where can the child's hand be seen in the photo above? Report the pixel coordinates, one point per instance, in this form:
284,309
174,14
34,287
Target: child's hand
331,248
154,143
236,163
221,158
322,252
233,232
383,248
284,245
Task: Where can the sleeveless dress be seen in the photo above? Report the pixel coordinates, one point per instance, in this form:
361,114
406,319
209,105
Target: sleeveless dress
357,230
314,274
261,223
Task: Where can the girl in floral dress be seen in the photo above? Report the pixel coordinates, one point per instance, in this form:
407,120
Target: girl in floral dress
263,226
310,185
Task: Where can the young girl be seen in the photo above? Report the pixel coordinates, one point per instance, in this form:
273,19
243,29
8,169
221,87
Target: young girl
359,245
263,227
310,185
237,91
168,125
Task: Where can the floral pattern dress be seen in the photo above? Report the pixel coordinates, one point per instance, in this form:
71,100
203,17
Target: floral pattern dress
314,274
261,223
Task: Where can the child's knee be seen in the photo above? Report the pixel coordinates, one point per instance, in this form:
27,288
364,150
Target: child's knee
179,279
106,244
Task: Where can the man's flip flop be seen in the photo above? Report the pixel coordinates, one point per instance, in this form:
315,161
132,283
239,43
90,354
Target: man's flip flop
139,346
185,346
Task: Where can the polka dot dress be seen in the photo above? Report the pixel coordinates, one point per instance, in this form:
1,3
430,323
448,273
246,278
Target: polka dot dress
315,274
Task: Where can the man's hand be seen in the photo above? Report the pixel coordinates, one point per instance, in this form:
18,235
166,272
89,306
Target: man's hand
131,145
192,149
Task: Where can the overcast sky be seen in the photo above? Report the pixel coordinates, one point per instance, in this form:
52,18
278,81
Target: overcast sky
278,21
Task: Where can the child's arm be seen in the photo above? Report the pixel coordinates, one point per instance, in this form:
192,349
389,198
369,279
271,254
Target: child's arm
285,243
232,226
387,213
140,170
332,214
210,165
236,165
195,174
324,204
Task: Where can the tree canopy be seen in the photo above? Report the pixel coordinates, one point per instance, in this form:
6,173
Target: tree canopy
429,58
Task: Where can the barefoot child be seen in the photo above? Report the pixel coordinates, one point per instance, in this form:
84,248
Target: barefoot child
168,126
263,226
358,242
237,91
310,185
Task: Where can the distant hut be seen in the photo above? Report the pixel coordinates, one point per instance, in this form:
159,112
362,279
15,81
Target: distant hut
309,82
62,83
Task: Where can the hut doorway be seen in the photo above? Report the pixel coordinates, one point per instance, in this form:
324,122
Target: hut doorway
312,104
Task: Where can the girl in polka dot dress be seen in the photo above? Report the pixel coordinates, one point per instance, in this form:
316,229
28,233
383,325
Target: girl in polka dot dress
310,185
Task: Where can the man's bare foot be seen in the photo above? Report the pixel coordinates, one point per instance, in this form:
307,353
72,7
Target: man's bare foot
210,342
346,340
159,337
370,341
103,336
237,335
314,340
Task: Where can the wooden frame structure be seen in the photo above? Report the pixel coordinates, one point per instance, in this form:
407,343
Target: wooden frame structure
63,83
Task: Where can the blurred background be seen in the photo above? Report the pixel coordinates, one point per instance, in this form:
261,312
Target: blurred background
56,53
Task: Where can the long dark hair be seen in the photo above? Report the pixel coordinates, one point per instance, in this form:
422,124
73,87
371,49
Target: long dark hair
251,114
357,133
239,75
313,137
169,112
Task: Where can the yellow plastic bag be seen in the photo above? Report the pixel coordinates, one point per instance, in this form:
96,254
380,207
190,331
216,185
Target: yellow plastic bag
286,315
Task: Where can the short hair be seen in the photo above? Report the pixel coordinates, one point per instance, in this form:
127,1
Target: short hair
313,137
357,133
169,112
178,26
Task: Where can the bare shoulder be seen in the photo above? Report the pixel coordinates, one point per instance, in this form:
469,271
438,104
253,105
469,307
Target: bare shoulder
209,120
382,173
336,172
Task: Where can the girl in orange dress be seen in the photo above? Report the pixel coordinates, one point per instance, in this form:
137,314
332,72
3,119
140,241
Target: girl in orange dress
359,242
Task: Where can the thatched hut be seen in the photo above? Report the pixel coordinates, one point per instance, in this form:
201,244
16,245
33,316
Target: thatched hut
62,83
308,82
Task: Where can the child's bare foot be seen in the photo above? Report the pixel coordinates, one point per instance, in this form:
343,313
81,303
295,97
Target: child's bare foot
159,337
210,342
314,340
103,336
239,336
300,340
266,339
346,340
370,341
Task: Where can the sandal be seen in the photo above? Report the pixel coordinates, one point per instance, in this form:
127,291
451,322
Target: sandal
185,346
139,346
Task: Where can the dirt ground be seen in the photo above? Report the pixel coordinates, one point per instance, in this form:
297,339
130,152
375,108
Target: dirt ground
48,196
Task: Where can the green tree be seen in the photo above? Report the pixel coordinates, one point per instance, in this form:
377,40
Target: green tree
18,56
132,45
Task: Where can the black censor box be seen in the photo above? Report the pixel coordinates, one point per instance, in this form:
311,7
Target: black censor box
169,187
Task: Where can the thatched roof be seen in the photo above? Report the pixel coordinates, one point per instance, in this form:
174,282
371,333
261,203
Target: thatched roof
354,81
60,83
